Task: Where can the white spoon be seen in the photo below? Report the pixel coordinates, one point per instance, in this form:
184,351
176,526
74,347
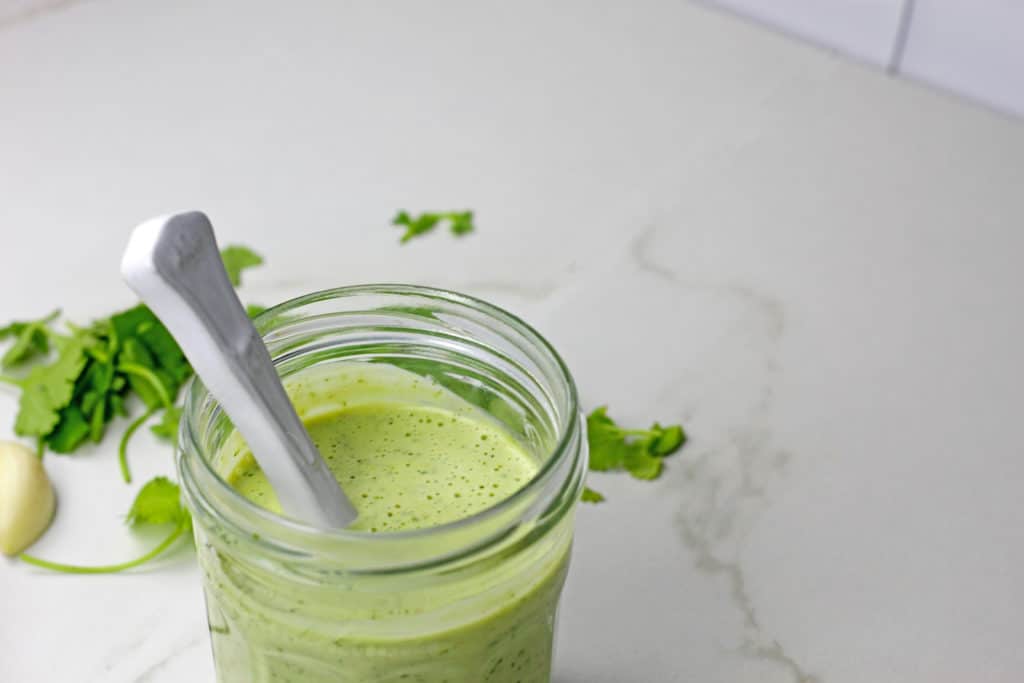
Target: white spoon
173,264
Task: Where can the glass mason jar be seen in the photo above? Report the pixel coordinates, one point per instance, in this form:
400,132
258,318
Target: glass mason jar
471,601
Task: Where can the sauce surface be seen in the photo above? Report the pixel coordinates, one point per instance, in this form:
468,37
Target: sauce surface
407,466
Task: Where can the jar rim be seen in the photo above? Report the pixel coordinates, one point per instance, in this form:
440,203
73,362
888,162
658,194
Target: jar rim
197,395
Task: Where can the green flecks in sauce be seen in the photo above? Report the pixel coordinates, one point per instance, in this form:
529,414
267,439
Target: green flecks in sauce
409,456
407,466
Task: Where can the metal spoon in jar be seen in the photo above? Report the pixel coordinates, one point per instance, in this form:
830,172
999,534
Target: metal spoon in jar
173,264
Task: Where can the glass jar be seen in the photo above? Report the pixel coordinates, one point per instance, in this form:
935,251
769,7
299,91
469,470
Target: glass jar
471,601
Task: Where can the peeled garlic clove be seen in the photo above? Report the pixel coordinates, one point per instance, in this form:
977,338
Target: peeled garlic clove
26,498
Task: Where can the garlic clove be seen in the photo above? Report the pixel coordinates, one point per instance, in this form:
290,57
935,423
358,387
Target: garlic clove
26,498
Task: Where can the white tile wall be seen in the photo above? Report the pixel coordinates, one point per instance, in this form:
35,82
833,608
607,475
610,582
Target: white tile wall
975,47
971,47
865,29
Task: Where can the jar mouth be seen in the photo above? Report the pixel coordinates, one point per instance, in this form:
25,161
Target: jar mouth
559,474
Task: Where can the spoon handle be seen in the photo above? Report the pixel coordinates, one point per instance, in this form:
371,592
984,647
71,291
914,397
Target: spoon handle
173,264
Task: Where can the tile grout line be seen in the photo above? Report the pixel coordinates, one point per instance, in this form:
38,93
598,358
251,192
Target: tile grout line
900,40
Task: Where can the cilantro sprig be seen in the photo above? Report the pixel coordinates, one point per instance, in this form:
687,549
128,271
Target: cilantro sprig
158,503
640,452
99,371
236,259
31,339
76,380
253,310
459,222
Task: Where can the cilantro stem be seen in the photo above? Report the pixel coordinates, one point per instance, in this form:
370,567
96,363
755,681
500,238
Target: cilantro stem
122,448
110,568
10,380
150,378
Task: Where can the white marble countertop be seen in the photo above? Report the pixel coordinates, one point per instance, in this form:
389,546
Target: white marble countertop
814,267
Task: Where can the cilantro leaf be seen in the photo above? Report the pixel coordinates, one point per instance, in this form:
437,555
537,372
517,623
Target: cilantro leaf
167,428
591,496
93,389
96,400
154,364
158,502
640,463
115,403
415,226
236,259
70,432
16,327
253,310
607,442
47,389
668,439
166,352
459,222
158,346
31,339
126,324
144,378
639,452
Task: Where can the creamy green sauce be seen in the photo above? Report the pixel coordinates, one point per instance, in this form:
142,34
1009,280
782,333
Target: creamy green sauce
407,466
410,455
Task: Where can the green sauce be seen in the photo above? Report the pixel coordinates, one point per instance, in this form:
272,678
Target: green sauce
410,455
407,466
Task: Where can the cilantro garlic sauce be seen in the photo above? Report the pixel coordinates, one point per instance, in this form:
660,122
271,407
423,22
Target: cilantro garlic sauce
410,455
407,466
